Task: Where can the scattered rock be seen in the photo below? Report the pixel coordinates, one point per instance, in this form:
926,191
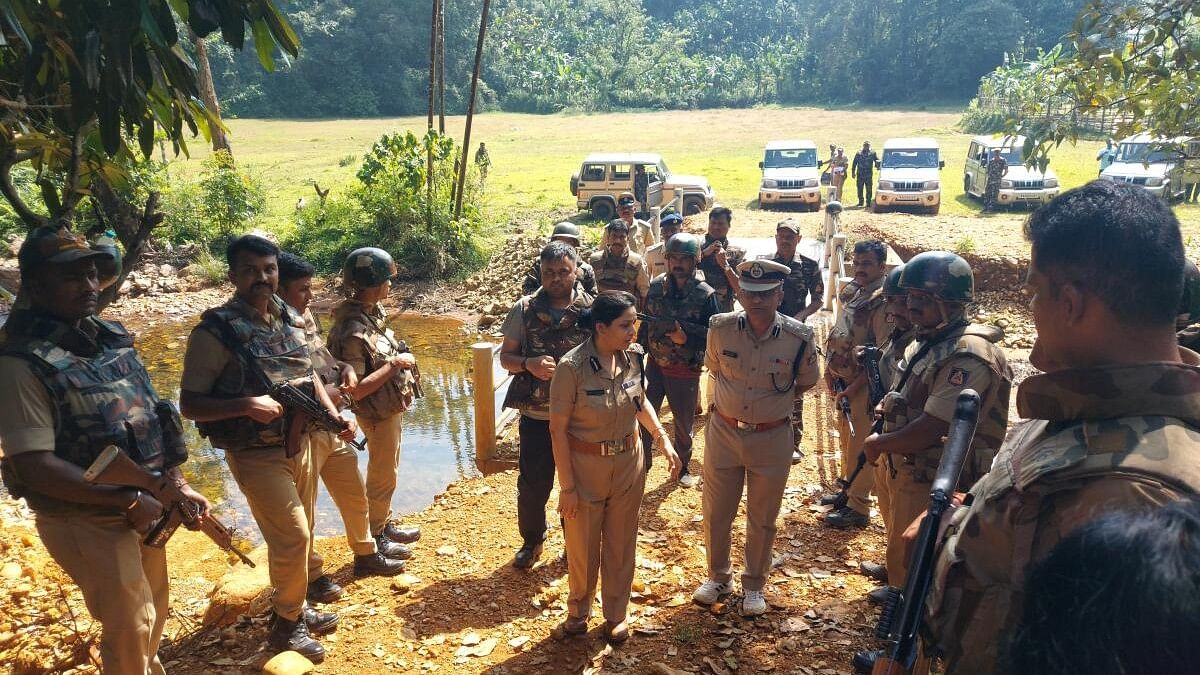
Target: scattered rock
288,663
243,590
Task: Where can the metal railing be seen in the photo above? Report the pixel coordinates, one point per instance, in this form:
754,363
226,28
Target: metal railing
835,248
484,385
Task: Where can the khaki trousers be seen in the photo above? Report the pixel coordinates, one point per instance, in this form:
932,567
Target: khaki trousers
860,491
275,487
602,537
337,466
909,499
124,585
383,460
761,461
883,493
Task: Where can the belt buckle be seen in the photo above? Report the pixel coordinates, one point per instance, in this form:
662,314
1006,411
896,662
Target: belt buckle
610,448
746,426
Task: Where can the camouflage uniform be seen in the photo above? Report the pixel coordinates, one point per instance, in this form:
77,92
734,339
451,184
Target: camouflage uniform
961,356
715,276
996,168
583,272
360,337
1098,440
620,274
863,171
73,390
861,322
673,371
541,331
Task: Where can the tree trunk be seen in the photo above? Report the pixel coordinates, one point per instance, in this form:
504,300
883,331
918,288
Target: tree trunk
466,144
208,93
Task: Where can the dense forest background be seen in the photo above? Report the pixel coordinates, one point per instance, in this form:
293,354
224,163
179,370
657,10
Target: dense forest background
364,58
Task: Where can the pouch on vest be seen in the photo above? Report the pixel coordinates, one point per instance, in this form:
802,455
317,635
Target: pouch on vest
895,412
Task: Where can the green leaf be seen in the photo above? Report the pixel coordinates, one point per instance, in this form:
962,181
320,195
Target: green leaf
264,45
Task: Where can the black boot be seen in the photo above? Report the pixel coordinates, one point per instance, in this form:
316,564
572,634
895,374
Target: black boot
401,535
864,662
526,556
293,636
377,565
320,623
391,548
324,590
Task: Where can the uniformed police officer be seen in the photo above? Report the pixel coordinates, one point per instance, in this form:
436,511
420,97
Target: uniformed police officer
334,461
803,295
895,311
655,258
756,357
862,169
997,169
641,233
718,259
387,383
538,331
862,322
1113,421
231,407
683,305
951,354
71,384
568,232
596,402
617,268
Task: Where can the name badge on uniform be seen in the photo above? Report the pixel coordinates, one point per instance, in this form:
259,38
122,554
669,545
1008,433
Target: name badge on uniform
958,377
594,392
629,385
786,363
729,353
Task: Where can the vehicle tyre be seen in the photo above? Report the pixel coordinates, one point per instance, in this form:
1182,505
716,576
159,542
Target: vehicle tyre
967,186
603,210
933,210
692,206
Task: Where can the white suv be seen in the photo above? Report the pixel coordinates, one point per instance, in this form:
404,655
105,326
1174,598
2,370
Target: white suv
909,174
790,175
1021,185
1156,164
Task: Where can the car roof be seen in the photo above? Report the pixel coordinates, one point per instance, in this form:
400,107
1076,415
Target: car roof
624,157
791,145
910,143
990,142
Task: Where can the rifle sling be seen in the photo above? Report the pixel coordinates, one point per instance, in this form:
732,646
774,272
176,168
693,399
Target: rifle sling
926,346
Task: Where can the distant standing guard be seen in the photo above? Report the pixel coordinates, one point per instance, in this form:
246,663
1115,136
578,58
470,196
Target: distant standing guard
756,357
387,383
483,160
718,258
568,232
997,169
616,267
863,172
839,166
675,340
1107,155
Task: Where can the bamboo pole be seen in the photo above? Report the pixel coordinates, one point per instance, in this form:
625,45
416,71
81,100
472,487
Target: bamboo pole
483,389
466,145
433,24
441,72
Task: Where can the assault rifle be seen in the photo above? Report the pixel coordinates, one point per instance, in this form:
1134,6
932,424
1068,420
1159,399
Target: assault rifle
903,611
870,361
114,467
650,318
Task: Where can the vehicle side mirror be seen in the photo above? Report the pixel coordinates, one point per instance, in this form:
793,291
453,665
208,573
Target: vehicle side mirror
876,164
942,164
760,165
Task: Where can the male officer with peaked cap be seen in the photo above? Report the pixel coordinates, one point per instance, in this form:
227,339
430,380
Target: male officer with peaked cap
756,357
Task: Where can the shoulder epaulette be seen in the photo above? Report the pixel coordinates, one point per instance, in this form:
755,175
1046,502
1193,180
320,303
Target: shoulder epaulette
721,320
797,328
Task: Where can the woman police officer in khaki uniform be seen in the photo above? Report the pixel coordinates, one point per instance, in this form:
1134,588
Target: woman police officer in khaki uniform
597,399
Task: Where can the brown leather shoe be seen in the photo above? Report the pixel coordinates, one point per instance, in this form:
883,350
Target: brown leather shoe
574,626
616,633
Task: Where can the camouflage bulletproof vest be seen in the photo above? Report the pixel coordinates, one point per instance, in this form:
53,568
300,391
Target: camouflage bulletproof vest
715,276
323,362
353,319
689,305
616,274
545,336
906,405
804,277
281,351
856,327
99,388
1140,423
891,354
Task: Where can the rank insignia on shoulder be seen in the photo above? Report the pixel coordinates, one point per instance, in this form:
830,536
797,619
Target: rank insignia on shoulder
729,353
958,377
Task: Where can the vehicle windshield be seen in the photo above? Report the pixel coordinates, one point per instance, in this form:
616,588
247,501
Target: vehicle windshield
1144,153
790,159
926,158
663,172
1012,156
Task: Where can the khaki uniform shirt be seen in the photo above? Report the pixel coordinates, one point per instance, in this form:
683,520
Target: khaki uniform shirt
1098,440
598,401
641,236
27,418
753,375
655,260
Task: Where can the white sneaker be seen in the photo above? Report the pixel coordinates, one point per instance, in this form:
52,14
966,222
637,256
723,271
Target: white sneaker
753,604
688,480
710,591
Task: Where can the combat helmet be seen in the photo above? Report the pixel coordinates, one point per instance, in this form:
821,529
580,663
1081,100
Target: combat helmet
367,267
685,243
566,229
891,283
942,274
834,207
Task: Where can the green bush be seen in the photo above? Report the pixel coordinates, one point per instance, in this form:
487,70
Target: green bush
230,199
392,208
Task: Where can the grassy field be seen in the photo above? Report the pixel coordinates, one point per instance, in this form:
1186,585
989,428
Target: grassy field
534,156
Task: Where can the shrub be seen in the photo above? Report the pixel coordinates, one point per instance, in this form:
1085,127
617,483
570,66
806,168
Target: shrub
230,198
965,246
209,268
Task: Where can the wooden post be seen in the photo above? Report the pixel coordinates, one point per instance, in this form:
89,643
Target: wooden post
441,70
466,144
483,388
433,41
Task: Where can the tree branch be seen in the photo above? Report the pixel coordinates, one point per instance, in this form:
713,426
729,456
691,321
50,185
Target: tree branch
10,159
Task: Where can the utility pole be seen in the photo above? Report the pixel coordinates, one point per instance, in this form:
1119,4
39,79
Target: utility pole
466,146
441,79
433,43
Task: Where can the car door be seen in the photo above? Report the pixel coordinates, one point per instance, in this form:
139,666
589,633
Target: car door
591,179
620,178
654,189
974,176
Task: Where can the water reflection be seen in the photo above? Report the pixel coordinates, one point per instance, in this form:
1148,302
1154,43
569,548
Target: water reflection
438,442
